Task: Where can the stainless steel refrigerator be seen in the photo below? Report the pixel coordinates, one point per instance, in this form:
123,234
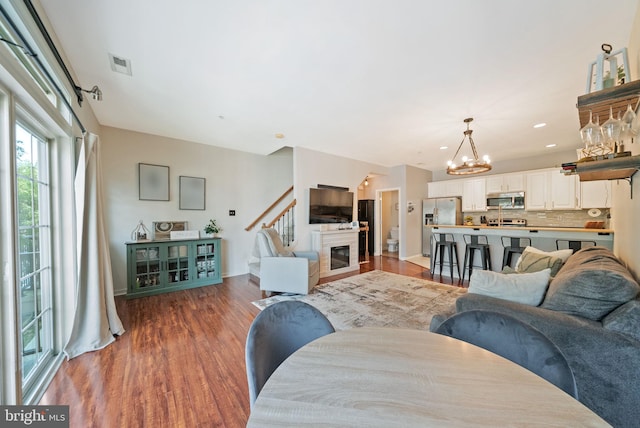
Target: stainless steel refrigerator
444,211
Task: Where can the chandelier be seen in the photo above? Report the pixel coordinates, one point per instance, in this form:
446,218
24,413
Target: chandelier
468,166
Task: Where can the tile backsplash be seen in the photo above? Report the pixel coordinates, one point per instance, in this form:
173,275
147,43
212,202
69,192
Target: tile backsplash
571,218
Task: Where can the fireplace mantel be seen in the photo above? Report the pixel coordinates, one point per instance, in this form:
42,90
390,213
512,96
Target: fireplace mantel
323,240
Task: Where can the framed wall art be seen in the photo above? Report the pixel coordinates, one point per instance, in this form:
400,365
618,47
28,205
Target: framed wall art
192,193
153,182
163,229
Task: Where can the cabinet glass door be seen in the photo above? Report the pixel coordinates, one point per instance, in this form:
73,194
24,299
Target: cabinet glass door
147,267
206,260
177,263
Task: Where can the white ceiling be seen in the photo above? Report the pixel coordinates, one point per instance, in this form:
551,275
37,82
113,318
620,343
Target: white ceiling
383,81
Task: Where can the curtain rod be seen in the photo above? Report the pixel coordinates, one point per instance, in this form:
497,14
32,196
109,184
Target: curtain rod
53,48
28,51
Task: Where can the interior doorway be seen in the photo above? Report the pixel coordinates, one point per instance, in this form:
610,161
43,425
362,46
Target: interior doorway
389,203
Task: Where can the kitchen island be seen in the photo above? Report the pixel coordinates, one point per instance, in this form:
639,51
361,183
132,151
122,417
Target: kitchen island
542,238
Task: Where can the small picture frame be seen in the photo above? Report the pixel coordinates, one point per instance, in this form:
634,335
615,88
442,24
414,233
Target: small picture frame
153,182
192,193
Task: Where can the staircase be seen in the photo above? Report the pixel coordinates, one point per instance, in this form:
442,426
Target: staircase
283,222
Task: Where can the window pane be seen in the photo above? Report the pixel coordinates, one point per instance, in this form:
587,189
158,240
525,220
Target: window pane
29,347
27,300
38,288
36,250
26,207
25,238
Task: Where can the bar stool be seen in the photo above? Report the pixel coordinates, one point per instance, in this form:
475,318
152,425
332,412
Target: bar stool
513,245
564,244
473,243
442,242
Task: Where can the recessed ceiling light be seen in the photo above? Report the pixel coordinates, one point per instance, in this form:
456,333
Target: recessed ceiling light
279,135
550,145
540,125
444,147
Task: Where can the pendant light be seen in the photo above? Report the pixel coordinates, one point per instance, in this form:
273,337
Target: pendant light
468,166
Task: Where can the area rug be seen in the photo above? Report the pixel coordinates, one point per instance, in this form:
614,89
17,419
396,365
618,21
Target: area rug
378,299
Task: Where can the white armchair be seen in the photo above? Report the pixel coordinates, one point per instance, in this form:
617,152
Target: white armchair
281,270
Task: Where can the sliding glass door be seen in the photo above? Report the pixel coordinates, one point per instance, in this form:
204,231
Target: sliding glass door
34,253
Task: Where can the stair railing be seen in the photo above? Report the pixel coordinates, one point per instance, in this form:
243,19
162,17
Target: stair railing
283,222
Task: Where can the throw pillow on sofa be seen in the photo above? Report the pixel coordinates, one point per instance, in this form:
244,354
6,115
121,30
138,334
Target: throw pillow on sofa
525,288
534,260
591,284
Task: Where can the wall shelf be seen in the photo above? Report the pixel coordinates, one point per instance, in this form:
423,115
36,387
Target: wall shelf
617,97
615,168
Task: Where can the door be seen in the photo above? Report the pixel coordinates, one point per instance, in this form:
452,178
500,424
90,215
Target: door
563,191
147,267
206,261
474,195
177,263
428,218
35,296
536,195
389,217
448,211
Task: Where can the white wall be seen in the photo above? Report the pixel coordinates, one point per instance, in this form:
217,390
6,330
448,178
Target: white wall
626,211
415,186
311,168
235,180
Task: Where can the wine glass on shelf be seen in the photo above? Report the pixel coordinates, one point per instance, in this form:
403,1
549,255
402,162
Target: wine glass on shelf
611,131
598,139
629,125
589,133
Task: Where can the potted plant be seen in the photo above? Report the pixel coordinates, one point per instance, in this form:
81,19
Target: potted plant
621,75
212,228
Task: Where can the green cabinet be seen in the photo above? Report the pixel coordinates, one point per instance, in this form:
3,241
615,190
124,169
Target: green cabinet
155,267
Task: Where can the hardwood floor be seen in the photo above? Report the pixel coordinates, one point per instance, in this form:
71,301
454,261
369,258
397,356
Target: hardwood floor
180,362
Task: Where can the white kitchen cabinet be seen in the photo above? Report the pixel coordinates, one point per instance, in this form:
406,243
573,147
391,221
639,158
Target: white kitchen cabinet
549,189
444,189
564,191
505,183
536,195
595,194
474,195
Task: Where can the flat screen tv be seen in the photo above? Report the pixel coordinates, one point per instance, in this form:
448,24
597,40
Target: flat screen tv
330,206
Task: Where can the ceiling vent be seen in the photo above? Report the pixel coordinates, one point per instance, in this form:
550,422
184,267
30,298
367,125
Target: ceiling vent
120,65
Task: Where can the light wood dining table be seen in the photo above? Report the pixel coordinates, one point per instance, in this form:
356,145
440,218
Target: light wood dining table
383,377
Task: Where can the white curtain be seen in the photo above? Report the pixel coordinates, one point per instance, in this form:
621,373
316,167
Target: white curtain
95,320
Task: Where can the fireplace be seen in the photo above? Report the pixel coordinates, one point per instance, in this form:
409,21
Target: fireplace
339,257
338,251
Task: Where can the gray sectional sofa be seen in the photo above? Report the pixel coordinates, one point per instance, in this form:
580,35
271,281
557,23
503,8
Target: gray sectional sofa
591,311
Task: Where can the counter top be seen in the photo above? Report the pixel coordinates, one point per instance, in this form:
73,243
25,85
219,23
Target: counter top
527,228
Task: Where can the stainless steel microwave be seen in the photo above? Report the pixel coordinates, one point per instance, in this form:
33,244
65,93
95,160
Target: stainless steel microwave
506,201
